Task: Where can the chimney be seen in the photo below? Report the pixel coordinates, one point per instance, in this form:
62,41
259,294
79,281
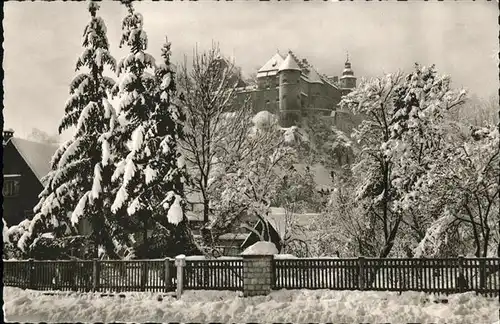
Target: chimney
335,79
7,135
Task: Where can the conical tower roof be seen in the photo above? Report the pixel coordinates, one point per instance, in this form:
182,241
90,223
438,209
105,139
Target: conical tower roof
289,64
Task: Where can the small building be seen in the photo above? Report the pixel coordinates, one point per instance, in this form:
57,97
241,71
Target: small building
283,226
25,163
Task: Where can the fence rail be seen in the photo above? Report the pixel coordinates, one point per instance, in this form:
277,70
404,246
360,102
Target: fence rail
451,275
427,275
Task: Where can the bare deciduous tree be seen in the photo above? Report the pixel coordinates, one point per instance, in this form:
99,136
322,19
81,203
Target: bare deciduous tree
216,116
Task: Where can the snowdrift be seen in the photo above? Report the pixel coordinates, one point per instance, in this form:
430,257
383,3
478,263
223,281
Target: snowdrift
297,306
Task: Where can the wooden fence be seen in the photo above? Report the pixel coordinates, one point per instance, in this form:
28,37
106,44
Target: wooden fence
122,276
428,275
214,274
104,276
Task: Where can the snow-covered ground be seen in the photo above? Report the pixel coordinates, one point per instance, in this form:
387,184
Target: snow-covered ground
220,306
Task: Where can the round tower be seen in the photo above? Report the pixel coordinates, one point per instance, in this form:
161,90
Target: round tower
289,92
347,80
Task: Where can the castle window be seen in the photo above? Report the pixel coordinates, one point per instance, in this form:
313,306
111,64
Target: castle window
10,187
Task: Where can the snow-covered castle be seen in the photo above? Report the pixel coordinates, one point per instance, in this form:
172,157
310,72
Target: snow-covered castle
293,88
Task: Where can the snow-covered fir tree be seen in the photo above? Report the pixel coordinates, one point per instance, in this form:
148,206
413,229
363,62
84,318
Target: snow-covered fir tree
76,185
151,171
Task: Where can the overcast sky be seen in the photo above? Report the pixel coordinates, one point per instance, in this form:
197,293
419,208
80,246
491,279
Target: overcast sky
43,41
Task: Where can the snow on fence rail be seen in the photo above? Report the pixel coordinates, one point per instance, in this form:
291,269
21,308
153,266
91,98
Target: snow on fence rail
450,275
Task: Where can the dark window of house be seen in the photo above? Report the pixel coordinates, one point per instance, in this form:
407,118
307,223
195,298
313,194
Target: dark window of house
10,188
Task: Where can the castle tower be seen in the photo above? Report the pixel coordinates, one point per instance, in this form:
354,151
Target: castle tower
347,80
289,91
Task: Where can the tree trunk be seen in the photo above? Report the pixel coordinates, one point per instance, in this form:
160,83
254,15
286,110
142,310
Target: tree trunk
385,250
145,237
206,210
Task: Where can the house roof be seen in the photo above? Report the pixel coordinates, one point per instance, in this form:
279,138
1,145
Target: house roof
37,155
277,219
273,64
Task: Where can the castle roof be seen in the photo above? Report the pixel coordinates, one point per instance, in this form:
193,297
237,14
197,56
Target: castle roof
289,64
308,73
313,76
273,64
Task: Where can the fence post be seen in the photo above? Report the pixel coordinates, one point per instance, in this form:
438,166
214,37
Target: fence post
180,263
166,273
31,274
461,278
258,274
361,274
144,274
95,275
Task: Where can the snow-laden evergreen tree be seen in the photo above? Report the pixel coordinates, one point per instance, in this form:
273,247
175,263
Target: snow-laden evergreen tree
151,172
77,185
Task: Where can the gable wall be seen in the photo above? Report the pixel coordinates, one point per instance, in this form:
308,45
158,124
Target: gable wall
14,207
